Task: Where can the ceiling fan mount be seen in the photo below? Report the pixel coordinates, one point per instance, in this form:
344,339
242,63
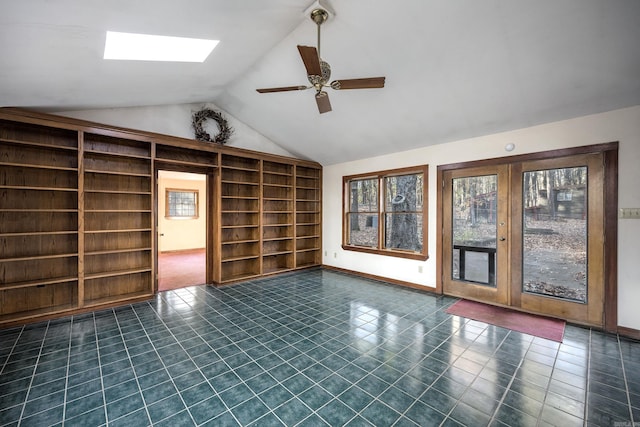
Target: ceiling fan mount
319,71
319,16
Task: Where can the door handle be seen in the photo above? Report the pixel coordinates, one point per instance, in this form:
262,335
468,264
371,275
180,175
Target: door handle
502,239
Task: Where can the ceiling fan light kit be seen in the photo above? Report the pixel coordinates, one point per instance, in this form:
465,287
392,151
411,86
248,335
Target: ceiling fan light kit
319,71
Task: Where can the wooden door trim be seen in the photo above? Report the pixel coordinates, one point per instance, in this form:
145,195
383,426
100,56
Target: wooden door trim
610,153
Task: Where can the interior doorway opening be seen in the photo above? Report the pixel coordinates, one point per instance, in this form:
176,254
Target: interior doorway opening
182,229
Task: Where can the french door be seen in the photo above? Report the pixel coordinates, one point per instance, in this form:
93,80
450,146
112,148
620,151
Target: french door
528,235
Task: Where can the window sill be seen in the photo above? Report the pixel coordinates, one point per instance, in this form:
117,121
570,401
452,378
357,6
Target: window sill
387,252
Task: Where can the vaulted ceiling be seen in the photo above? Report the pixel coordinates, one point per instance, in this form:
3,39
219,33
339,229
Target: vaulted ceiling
454,69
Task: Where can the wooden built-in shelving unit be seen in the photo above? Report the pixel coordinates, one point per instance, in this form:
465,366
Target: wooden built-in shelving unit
78,213
308,213
118,244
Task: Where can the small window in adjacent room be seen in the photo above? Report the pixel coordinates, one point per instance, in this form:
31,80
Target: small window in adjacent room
385,212
181,204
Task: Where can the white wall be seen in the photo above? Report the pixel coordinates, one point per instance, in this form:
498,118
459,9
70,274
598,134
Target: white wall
175,120
182,234
620,125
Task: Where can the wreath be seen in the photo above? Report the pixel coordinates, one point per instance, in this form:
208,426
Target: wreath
201,135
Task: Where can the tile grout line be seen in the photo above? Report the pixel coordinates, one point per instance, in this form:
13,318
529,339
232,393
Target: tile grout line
66,375
189,358
626,383
272,411
491,418
104,398
13,347
588,382
35,367
135,375
299,372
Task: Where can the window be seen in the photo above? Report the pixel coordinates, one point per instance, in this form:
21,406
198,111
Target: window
385,213
182,204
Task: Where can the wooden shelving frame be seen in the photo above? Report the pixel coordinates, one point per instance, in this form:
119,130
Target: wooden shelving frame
78,213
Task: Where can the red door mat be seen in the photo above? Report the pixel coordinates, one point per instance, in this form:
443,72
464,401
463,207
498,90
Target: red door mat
539,326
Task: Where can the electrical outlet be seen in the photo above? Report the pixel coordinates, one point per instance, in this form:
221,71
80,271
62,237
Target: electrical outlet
325,253
335,254
419,269
629,213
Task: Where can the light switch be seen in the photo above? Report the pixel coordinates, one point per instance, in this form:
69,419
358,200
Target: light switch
629,213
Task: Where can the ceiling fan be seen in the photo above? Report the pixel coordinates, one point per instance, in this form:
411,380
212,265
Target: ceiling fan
319,72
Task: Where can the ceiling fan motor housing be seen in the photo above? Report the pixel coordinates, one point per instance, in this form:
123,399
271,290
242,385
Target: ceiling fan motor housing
319,16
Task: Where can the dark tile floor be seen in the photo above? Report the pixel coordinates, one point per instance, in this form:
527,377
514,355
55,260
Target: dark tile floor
312,348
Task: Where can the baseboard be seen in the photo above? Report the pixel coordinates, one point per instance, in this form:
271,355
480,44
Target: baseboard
629,332
383,279
182,251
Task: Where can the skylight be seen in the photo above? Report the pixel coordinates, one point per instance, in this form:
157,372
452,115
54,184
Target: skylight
144,47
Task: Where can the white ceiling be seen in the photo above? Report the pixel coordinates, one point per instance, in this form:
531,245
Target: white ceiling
454,69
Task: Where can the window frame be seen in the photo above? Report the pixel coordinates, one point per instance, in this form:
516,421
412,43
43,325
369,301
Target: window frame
382,212
167,206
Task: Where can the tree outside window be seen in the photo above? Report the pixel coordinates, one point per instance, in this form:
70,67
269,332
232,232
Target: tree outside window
384,212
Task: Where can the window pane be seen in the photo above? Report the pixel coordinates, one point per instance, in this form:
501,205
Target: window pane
182,203
403,231
554,256
363,195
474,209
403,193
363,230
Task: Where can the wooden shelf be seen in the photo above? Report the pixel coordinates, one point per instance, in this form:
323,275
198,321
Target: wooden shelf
114,154
122,230
226,181
307,250
24,187
238,276
34,314
240,258
37,233
35,166
234,242
266,254
35,283
117,251
122,298
117,211
114,273
38,210
38,257
146,175
242,197
117,192
274,270
275,239
39,144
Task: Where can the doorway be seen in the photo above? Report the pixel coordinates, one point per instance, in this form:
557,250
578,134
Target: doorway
529,233
182,229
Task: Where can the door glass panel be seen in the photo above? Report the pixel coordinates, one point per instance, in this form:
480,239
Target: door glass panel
554,258
474,229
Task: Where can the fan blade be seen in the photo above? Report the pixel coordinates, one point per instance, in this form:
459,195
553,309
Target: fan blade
281,89
366,83
322,99
311,60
